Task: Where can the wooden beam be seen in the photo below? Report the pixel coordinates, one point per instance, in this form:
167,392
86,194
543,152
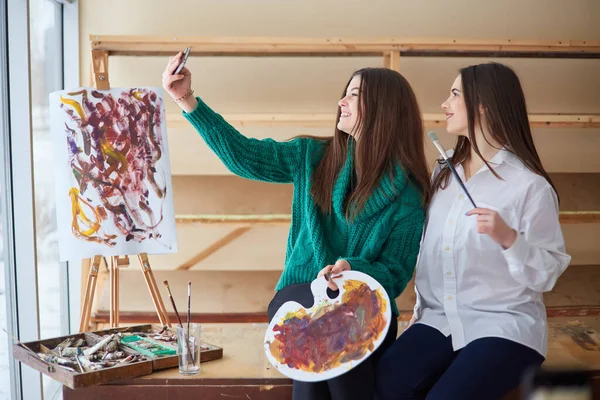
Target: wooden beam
579,217
251,219
566,217
564,121
214,247
287,46
326,120
535,120
391,60
141,317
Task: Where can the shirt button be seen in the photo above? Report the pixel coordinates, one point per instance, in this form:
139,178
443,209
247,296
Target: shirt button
449,273
461,197
451,222
449,297
447,248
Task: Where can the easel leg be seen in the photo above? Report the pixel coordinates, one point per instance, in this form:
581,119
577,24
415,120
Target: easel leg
86,309
114,292
153,288
116,263
117,269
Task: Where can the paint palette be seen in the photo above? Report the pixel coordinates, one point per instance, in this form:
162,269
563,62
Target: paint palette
334,335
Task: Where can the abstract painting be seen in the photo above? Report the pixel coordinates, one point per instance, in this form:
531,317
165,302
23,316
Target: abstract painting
113,179
334,335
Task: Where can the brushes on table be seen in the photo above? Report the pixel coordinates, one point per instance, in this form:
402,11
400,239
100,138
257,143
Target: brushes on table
179,319
173,303
438,146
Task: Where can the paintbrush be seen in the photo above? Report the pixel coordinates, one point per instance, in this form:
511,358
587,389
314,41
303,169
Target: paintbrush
449,163
173,303
189,307
179,319
188,316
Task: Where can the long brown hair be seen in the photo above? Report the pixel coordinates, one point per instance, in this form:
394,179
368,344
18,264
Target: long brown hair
495,88
390,133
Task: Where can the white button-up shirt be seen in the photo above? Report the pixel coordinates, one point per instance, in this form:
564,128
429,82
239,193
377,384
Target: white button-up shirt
467,285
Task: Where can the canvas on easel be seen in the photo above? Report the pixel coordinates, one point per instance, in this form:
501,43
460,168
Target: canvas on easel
113,183
113,180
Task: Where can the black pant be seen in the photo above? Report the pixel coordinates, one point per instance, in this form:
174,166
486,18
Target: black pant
422,364
356,384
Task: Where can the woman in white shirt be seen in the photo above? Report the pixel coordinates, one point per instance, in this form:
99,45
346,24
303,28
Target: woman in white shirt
480,320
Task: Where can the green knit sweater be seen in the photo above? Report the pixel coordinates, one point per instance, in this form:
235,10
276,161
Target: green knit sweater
383,240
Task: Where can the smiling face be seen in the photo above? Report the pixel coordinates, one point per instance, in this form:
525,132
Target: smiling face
456,110
349,108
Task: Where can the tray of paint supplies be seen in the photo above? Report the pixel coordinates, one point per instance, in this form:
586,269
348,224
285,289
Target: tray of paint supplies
159,344
99,357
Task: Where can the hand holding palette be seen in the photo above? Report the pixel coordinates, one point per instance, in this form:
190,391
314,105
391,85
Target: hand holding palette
334,335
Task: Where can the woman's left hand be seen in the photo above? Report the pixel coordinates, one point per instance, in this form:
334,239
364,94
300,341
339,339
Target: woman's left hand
492,224
330,270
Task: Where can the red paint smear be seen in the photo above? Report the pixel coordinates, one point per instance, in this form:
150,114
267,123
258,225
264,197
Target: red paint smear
344,332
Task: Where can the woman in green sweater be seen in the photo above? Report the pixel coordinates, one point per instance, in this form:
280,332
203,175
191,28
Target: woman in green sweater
359,195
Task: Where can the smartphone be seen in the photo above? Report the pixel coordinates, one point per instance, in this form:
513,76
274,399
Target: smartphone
554,385
186,53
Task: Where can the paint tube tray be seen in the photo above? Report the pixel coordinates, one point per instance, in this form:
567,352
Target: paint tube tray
27,353
208,352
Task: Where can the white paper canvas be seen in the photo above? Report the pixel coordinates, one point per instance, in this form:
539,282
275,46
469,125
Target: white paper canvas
113,176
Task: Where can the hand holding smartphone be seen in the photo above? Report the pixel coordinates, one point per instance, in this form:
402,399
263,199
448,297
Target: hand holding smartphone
183,61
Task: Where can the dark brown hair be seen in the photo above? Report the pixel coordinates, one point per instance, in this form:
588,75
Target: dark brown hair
495,88
390,132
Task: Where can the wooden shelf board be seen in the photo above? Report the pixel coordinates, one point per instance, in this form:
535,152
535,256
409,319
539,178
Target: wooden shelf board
327,120
319,47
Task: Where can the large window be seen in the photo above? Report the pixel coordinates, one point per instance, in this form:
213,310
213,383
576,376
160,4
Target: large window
34,302
5,378
5,194
45,46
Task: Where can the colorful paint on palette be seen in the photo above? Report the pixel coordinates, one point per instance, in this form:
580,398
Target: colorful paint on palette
113,178
334,334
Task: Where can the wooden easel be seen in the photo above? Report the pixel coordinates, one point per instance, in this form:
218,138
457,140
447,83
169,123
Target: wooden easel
100,79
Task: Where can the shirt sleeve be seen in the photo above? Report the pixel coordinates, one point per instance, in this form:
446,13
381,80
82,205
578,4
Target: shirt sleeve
538,256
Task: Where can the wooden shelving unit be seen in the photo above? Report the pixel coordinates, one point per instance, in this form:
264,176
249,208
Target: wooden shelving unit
580,192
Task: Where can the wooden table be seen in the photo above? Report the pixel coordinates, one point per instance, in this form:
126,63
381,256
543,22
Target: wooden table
244,373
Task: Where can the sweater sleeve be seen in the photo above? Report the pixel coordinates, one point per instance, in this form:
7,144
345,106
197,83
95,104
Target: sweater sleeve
394,267
265,160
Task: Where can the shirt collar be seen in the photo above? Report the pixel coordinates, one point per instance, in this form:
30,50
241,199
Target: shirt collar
505,155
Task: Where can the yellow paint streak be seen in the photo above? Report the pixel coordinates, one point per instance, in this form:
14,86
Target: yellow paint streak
75,104
138,95
79,215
